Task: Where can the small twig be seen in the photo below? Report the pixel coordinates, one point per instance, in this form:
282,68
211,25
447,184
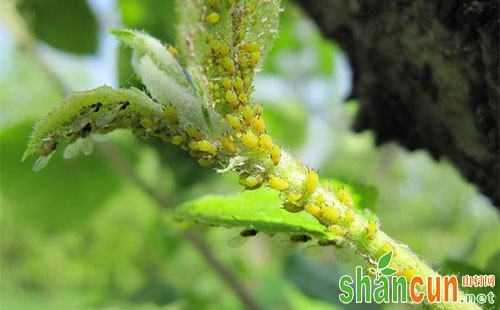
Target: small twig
223,272
123,166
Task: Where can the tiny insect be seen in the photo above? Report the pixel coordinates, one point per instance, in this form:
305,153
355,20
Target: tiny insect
238,84
250,140
300,238
194,132
231,98
212,18
250,47
80,122
243,99
95,107
348,216
344,197
319,247
242,238
291,207
313,209
371,229
207,146
275,155
312,181
294,197
253,181
228,144
290,243
83,145
206,161
258,125
226,83
330,214
278,183
178,139
48,145
234,122
171,114
173,51
41,162
108,116
338,230
266,142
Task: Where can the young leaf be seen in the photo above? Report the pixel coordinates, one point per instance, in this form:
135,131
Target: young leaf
166,80
385,260
260,209
101,110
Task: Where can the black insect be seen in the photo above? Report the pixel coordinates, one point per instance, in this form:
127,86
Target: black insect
96,107
300,238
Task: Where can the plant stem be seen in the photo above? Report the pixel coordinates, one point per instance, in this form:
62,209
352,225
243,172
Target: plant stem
370,245
223,272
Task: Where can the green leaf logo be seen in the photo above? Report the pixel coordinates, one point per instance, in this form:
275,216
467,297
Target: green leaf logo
385,260
382,266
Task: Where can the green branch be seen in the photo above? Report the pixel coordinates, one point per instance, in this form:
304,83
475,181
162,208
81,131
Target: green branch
207,109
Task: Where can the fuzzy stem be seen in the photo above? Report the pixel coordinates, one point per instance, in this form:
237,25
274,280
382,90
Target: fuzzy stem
370,246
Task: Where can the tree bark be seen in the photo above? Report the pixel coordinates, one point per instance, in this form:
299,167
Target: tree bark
426,74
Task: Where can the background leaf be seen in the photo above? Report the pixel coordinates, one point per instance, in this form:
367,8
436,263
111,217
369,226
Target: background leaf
157,17
66,25
453,267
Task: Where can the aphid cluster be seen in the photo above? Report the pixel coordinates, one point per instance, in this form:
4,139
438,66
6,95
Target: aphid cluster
310,199
90,118
229,66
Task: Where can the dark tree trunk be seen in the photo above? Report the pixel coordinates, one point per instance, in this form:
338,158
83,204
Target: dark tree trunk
426,75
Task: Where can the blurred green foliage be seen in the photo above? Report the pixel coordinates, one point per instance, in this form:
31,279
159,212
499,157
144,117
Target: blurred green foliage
76,25
82,235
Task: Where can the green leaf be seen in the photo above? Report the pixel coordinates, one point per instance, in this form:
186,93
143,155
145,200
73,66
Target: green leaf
298,38
66,25
372,270
166,80
385,260
260,209
493,264
156,17
388,271
95,111
57,198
